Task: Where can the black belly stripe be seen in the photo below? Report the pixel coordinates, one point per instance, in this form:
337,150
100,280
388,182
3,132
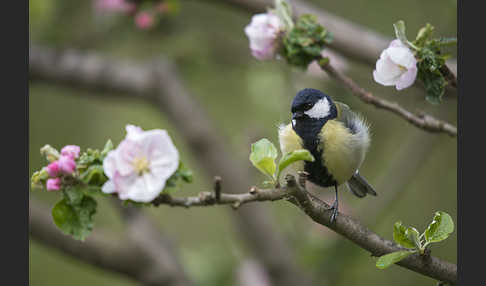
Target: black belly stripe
308,131
319,174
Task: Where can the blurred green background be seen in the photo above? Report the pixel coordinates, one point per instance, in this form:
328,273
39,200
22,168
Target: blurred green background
413,171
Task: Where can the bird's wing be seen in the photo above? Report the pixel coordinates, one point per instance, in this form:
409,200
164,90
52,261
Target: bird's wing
352,120
345,115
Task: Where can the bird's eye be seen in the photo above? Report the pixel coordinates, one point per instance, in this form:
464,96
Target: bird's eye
308,105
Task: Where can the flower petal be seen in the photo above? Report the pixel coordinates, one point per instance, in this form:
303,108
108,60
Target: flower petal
407,79
126,152
402,56
109,164
133,131
397,43
386,72
108,187
139,188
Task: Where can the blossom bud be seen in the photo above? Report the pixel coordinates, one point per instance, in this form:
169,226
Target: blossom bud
263,33
50,153
71,151
53,184
66,164
144,20
53,169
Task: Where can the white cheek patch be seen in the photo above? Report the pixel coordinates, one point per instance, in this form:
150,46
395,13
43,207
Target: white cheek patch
293,122
319,110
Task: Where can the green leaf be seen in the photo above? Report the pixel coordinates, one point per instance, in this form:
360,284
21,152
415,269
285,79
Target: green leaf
429,63
440,227
304,43
399,27
73,195
400,236
449,41
284,11
292,157
39,179
181,173
108,147
263,155
185,173
94,175
423,35
88,158
413,235
75,220
93,190
391,258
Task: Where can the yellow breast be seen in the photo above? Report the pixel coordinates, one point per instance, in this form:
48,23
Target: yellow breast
290,141
342,154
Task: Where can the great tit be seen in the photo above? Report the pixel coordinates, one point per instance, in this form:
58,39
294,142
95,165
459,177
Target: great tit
337,137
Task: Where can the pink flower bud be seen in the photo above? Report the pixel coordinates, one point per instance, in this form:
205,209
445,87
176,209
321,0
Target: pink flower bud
263,33
144,20
114,6
53,184
71,151
67,165
53,169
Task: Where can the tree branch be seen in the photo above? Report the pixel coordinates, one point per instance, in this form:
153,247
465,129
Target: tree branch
423,121
121,256
320,212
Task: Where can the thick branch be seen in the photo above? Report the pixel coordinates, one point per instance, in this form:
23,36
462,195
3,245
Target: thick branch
115,255
320,212
423,121
158,81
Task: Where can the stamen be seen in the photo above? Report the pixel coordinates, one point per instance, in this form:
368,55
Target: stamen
141,165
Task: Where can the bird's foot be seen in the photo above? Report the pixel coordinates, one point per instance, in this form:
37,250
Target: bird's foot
334,209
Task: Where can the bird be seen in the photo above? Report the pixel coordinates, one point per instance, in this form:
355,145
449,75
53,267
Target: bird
337,137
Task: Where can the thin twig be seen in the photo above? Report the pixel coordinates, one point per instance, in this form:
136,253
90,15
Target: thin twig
423,121
208,198
217,188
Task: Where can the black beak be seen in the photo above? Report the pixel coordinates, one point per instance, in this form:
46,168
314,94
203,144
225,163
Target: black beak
297,115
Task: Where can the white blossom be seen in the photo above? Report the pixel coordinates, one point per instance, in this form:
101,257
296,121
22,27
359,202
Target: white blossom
141,164
396,66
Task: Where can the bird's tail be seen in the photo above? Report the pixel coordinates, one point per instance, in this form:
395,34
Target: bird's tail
359,186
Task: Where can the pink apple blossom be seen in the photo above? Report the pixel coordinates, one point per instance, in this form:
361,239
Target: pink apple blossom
66,164
141,164
397,66
114,6
71,151
53,184
144,20
263,33
53,169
